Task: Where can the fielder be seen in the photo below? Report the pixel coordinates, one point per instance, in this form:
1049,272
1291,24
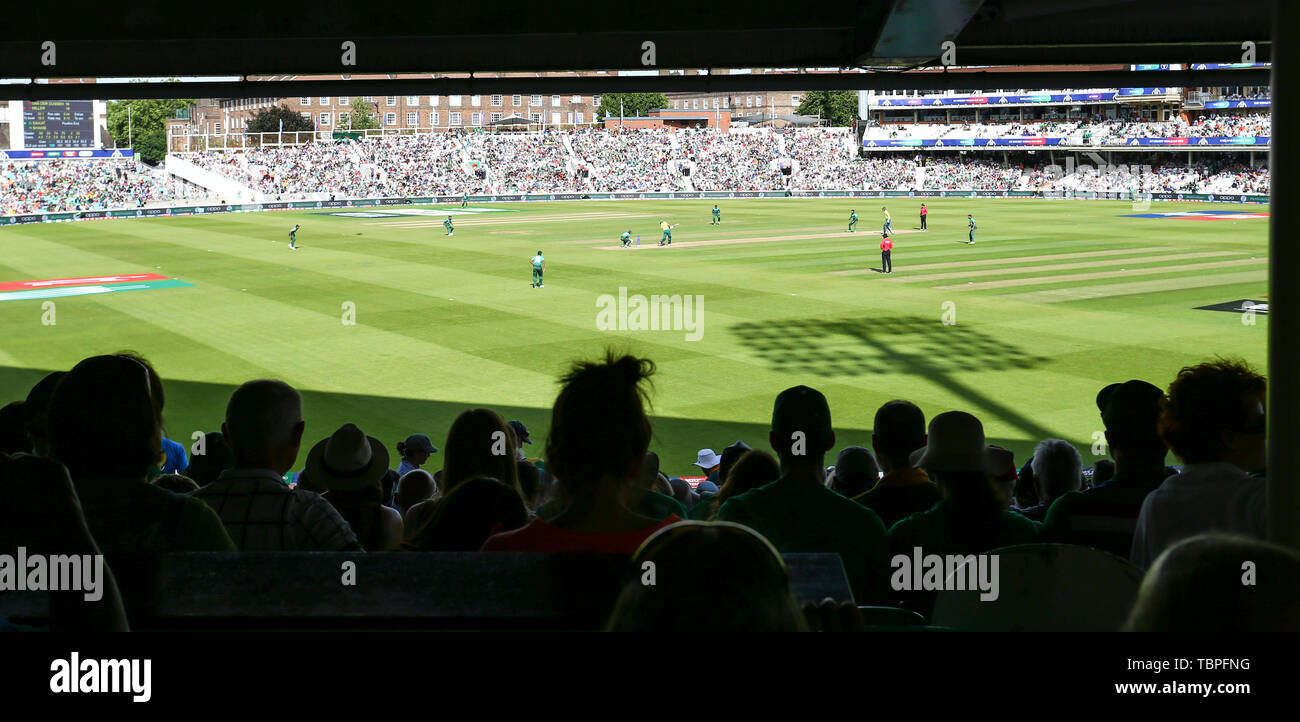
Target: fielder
626,238
853,221
293,237
717,216
970,222
451,230
538,264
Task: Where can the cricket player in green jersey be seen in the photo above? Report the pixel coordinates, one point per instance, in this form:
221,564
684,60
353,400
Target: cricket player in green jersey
717,215
464,200
853,221
451,230
970,223
293,237
538,264
626,238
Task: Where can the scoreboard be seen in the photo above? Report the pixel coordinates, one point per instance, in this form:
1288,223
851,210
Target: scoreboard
59,124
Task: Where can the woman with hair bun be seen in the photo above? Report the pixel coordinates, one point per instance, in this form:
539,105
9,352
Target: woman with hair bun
597,443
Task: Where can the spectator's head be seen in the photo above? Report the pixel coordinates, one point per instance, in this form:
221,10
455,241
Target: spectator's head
1102,471
13,429
662,485
103,421
729,457
38,405
216,457
715,566
706,460
530,482
416,449
179,483
414,487
899,429
1058,468
1002,468
683,492
649,471
1199,584
754,469
348,461
599,430
264,425
521,432
855,471
478,444
1215,412
801,428
1131,413
470,513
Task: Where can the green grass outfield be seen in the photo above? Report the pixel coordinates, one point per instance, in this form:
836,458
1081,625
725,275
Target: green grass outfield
1055,300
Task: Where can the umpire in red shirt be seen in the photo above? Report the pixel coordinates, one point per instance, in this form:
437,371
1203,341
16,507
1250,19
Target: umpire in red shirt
886,250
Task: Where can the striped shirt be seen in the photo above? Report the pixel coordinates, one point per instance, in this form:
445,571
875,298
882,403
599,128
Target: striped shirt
261,514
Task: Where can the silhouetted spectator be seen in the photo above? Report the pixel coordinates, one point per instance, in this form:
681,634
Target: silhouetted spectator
475,510
414,487
173,459
797,513
216,458
1106,515
351,465
855,472
1213,422
264,429
972,517
471,449
40,512
104,427
37,403
1198,585
1058,469
599,436
178,483
755,468
898,431
730,456
645,501
714,566
683,492
13,429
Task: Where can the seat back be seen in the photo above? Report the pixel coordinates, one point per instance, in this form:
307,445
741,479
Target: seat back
1042,588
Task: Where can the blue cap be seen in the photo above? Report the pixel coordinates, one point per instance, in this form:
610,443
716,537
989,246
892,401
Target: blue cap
521,432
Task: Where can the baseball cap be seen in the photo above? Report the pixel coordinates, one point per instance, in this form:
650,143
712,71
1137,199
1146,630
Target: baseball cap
800,408
521,432
420,442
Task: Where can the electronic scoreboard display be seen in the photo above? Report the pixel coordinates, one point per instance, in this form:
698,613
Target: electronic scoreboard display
59,124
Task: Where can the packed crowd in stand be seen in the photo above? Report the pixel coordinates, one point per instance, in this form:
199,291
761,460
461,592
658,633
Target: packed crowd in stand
628,160
623,161
52,186
930,484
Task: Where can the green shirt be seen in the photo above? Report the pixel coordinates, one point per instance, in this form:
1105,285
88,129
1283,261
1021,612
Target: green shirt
972,224
537,262
716,211
799,516
853,216
625,237
447,223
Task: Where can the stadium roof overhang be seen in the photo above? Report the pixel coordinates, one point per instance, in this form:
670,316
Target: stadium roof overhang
75,39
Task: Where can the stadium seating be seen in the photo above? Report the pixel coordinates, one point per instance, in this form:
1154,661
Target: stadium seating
427,590
1047,588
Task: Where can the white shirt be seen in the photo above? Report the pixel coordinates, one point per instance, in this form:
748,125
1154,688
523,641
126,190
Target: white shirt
1216,496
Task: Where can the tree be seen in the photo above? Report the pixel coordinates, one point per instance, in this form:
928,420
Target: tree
838,107
362,115
633,104
269,120
143,123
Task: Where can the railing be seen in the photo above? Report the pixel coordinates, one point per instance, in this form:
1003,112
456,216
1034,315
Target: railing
197,142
